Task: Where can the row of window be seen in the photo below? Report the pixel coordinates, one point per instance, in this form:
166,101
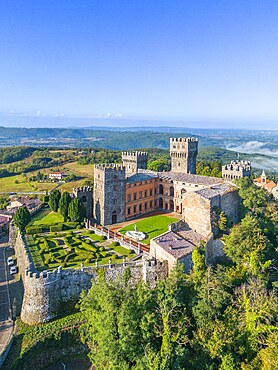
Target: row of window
140,195
140,207
139,183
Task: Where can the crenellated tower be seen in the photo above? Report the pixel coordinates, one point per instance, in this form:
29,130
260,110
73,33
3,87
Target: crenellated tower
134,160
183,152
109,193
236,170
85,193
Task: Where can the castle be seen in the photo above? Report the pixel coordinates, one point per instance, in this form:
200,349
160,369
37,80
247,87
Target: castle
128,190
125,191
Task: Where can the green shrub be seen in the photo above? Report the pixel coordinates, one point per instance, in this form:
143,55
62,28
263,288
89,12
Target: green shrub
70,225
79,227
33,229
55,228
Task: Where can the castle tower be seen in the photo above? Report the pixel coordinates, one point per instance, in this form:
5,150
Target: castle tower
236,169
86,196
134,160
109,193
183,152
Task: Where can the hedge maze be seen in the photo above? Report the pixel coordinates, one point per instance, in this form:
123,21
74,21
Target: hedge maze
70,249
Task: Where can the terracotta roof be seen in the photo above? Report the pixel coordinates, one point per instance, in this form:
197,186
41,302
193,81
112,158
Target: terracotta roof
269,184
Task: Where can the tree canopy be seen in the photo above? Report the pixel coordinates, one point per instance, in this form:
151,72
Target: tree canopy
21,218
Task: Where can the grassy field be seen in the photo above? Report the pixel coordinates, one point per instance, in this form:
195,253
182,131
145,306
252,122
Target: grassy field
46,218
86,170
19,183
152,226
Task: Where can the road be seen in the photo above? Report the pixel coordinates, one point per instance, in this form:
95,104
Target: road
6,325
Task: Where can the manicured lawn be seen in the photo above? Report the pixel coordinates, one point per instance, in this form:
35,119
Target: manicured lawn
152,226
46,218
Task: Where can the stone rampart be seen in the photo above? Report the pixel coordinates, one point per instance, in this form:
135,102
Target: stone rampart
45,292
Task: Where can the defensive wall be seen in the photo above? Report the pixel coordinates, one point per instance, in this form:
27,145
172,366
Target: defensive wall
45,292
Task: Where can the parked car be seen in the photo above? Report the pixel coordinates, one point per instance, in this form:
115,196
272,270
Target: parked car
13,270
10,261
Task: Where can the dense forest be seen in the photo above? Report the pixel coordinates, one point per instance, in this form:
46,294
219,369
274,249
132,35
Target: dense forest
220,316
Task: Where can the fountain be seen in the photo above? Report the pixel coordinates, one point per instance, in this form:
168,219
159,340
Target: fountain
135,234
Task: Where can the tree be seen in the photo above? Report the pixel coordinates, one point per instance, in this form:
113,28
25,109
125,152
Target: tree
54,198
22,218
64,204
76,210
222,223
247,245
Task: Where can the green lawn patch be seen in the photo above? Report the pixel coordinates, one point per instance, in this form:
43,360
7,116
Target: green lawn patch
46,218
152,226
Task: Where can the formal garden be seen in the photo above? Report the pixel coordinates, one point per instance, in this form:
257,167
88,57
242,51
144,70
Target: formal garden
54,242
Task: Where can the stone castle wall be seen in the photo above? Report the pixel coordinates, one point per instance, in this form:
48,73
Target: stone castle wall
45,292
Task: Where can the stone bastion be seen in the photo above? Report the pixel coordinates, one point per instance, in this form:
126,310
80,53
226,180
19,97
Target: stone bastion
45,292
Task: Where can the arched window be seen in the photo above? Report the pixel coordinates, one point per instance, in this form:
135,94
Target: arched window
171,191
161,189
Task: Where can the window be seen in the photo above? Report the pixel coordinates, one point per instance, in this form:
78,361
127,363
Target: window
146,205
128,211
140,207
129,197
151,192
134,209
151,204
134,196
146,193
140,194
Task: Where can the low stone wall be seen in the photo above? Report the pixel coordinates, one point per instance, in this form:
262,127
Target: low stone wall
45,292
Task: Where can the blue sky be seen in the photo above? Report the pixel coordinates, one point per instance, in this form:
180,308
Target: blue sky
160,60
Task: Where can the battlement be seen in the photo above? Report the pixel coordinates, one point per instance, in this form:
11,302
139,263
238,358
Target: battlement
183,139
135,154
82,189
236,169
109,167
